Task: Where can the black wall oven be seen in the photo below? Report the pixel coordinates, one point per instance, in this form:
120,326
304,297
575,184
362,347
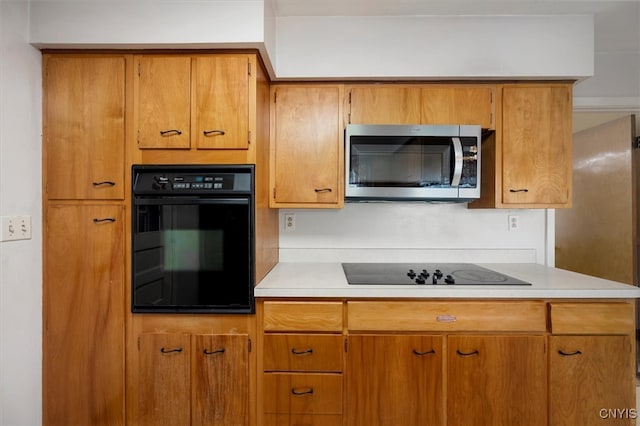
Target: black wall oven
193,238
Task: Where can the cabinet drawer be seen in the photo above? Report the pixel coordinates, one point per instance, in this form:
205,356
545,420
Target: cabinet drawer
518,316
303,393
302,352
592,318
302,316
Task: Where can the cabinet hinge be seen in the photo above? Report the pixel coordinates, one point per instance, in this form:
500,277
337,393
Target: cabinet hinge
138,137
249,68
275,96
635,143
249,137
349,118
139,72
138,343
274,193
349,98
249,344
346,345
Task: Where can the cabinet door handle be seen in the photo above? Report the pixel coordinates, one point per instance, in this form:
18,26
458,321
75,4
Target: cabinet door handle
215,351
323,190
104,219
563,353
472,353
519,190
303,391
213,132
170,132
423,353
302,352
167,351
105,182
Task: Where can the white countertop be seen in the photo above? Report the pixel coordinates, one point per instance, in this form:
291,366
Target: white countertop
308,279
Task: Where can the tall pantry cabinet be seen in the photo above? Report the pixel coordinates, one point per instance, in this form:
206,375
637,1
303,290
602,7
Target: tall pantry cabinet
84,241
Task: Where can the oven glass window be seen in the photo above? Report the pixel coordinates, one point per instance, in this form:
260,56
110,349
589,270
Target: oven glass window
192,256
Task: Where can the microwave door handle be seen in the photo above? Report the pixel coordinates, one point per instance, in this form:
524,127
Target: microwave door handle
457,170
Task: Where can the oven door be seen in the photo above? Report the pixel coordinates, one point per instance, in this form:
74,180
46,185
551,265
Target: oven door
192,254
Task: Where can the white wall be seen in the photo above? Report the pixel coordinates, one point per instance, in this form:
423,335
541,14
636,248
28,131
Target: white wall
20,194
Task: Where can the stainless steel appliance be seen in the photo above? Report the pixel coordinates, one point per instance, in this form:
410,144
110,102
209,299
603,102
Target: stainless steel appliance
193,238
425,274
412,162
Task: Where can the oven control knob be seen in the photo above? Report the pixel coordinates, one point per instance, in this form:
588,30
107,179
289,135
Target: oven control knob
411,274
424,274
449,280
438,273
420,280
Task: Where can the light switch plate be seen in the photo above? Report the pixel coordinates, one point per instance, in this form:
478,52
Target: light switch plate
15,228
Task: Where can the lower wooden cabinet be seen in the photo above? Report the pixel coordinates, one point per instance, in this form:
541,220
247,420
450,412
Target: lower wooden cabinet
188,379
395,380
496,380
591,381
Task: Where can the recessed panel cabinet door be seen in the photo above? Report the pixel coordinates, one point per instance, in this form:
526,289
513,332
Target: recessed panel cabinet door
588,377
84,107
308,145
395,380
222,102
83,316
163,101
458,105
384,105
536,145
496,380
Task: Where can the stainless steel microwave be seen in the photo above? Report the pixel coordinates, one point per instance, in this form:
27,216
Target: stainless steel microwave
412,162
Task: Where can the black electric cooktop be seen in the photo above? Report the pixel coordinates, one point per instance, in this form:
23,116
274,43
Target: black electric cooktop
425,274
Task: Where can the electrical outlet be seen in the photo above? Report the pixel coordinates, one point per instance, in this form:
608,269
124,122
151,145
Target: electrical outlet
514,222
15,228
290,222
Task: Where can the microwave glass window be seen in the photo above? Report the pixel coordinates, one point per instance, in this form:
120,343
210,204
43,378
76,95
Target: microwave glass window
192,254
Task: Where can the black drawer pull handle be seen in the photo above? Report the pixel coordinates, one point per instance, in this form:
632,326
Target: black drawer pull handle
304,391
476,352
213,132
170,132
420,353
323,190
302,352
167,351
104,219
563,353
216,351
105,182
519,190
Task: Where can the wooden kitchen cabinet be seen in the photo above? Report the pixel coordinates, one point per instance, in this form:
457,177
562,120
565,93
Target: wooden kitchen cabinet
528,162
422,104
307,152
83,315
192,380
395,379
302,353
84,126
496,380
192,101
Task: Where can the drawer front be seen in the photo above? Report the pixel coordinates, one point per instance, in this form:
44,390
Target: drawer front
516,316
302,316
592,318
287,393
303,352
302,420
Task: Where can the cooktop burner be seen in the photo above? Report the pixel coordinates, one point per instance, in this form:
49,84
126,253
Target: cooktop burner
424,274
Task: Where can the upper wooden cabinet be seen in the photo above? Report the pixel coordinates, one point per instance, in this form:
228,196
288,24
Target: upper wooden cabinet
84,126
307,146
192,101
527,163
422,104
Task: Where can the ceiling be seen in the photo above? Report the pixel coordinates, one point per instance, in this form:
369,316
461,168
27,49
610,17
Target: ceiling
617,23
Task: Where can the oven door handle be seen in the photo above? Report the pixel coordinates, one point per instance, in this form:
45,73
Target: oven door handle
457,170
168,201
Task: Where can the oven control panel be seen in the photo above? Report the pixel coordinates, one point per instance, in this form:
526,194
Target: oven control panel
187,180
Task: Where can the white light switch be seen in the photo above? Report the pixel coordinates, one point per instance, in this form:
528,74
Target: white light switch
15,228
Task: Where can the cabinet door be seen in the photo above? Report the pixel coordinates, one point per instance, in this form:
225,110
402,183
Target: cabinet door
458,105
163,101
84,109
222,102
83,315
163,387
384,105
536,145
220,380
588,377
496,380
395,380
308,146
